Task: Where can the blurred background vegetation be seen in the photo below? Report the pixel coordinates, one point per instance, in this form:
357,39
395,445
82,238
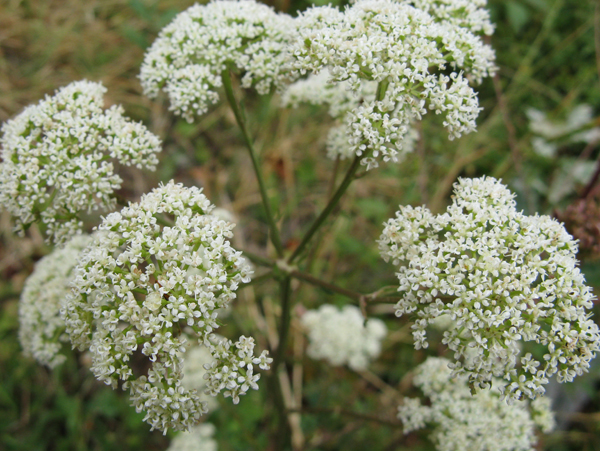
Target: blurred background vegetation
548,52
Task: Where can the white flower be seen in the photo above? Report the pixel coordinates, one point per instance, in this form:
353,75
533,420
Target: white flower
57,158
190,54
470,14
167,244
480,422
232,371
319,89
504,278
42,330
342,337
404,50
199,438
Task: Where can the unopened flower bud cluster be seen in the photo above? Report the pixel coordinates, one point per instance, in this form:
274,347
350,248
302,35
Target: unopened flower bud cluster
341,336
191,53
57,158
42,330
504,278
404,50
480,422
154,269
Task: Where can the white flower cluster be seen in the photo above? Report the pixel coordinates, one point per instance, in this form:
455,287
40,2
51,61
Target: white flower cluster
156,268
57,158
199,438
317,89
191,53
42,330
504,278
469,14
552,134
342,337
232,370
404,50
480,422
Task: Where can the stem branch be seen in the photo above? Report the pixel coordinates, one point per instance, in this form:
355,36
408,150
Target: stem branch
328,209
275,238
333,201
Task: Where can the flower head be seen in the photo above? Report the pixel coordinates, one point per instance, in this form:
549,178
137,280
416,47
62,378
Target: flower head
154,269
58,158
42,330
504,278
318,89
342,337
405,50
470,14
190,54
232,370
482,422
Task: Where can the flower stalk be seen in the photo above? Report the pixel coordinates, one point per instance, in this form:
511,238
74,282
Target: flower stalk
239,117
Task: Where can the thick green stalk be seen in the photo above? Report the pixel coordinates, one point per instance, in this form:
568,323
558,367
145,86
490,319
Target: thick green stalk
275,238
284,324
284,327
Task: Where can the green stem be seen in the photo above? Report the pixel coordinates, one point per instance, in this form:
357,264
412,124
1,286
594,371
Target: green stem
328,209
326,285
284,327
319,239
284,324
350,175
354,295
258,259
275,238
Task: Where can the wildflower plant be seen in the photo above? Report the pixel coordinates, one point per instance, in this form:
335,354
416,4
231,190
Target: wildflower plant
145,294
58,158
140,283
405,51
504,278
192,53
